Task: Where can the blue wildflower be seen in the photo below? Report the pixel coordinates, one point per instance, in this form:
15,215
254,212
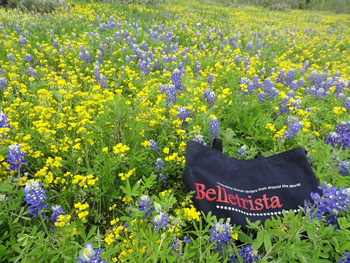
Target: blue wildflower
35,197
221,233
329,203
214,128
183,114
248,255
16,157
56,212
176,79
153,145
160,220
293,128
4,122
345,258
90,255
145,204
103,82
28,58
199,138
241,152
3,83
209,96
344,167
346,103
210,78
31,72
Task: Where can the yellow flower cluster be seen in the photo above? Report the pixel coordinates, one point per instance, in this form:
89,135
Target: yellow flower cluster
82,213
192,213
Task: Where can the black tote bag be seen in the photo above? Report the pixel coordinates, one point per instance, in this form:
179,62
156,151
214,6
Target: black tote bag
256,189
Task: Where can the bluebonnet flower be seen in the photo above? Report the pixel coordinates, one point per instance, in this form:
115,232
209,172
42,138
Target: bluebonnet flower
198,67
346,103
55,43
341,135
304,67
1,71
23,40
28,58
35,197
210,78
329,204
56,212
87,57
249,46
261,96
4,122
183,114
214,128
31,72
176,79
90,255
262,71
159,164
344,167
241,152
290,77
3,198
160,220
221,233
153,145
199,138
209,96
81,56
269,89
293,128
103,82
100,56
97,72
145,204
345,258
280,77
3,83
16,157
248,255
333,138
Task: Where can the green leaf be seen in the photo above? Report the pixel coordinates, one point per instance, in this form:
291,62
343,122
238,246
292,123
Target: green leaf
259,240
267,241
110,252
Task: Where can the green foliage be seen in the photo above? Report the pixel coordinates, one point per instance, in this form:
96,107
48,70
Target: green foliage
45,6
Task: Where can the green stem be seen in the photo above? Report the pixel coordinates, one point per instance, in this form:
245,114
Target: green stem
44,225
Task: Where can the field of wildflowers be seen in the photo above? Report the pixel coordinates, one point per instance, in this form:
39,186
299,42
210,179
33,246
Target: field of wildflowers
99,100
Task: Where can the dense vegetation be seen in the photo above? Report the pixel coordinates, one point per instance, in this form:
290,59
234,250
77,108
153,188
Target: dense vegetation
99,100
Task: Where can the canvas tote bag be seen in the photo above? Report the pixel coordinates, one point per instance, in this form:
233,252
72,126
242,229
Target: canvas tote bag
239,189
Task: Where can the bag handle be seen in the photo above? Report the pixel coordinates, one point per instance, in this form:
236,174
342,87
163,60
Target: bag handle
217,144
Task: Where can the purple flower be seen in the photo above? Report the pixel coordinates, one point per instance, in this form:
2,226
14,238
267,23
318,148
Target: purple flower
35,197
344,167
4,122
210,78
100,56
183,114
145,204
16,157
221,233
159,164
31,72
103,82
280,77
160,220
248,255
90,255
56,212
23,40
214,128
293,128
345,258
304,67
153,145
209,96
199,138
176,79
3,83
329,204
341,135
28,58
87,57
241,152
347,103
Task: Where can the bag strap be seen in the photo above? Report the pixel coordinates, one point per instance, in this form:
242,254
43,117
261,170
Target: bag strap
217,144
